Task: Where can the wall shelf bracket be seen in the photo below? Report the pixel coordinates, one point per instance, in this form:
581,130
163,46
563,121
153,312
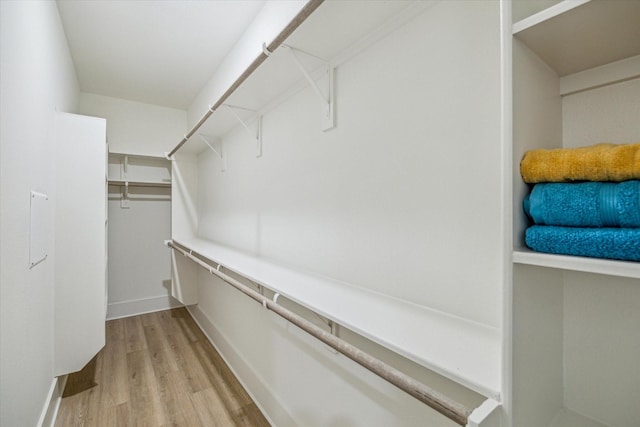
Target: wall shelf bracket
124,201
327,96
255,134
217,147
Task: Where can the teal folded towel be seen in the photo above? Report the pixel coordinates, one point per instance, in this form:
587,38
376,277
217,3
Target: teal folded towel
586,204
610,243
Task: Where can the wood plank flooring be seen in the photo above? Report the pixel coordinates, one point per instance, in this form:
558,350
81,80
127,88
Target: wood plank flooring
156,370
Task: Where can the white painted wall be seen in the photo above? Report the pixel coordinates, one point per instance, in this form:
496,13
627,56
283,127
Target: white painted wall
139,270
134,127
139,263
383,201
37,78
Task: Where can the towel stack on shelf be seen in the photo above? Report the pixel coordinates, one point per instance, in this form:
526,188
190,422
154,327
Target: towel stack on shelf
585,201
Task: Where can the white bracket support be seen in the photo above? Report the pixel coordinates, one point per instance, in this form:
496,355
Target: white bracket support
327,97
124,201
334,331
217,148
257,134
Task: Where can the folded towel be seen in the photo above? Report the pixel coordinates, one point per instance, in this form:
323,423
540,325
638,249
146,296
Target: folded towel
587,204
611,243
602,162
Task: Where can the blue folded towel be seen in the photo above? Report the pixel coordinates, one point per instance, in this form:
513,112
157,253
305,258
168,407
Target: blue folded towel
586,204
611,243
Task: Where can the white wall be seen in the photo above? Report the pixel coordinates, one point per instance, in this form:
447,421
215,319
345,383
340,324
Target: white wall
139,269
139,263
383,201
134,127
37,78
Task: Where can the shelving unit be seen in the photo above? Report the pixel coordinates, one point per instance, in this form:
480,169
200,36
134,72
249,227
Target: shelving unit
278,77
465,353
473,361
575,83
129,170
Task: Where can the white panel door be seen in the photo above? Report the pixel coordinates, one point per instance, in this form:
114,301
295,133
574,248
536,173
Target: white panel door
79,240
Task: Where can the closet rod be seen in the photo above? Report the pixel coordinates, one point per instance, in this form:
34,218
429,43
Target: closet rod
451,409
304,13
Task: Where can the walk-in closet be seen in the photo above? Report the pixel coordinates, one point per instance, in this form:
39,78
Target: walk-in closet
320,213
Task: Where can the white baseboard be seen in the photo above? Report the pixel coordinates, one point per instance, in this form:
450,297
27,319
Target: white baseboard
258,389
52,404
117,310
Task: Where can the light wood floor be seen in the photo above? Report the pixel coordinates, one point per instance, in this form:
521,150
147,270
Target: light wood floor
157,370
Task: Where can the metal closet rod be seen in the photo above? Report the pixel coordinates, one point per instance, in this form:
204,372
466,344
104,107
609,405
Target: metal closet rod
304,13
451,409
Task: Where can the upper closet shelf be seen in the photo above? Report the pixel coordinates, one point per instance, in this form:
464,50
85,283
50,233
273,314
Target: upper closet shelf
577,35
331,34
466,352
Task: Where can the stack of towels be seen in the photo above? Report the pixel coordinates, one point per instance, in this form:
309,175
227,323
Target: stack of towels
585,201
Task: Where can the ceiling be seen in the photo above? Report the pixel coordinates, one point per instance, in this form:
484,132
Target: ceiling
153,51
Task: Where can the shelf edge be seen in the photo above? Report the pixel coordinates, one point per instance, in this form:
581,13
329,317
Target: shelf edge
575,263
120,183
546,14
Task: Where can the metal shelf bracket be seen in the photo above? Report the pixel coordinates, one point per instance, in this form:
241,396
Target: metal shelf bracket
327,96
255,134
124,201
217,147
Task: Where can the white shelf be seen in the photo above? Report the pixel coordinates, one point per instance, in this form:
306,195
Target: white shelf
139,170
278,76
576,263
577,35
466,352
122,183
137,156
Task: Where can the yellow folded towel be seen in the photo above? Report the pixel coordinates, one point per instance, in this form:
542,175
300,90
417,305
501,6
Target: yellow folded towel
601,162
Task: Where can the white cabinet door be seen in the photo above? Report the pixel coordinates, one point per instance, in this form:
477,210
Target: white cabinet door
79,229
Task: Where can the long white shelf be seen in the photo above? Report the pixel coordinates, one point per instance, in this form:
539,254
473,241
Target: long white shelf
576,263
466,352
278,76
577,35
122,183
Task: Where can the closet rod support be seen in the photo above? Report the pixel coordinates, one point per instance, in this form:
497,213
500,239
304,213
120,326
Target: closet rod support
266,50
217,148
257,135
327,101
